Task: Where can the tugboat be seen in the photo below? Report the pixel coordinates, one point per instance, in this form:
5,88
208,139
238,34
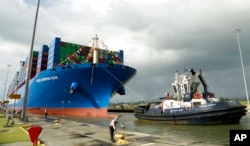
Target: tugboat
188,106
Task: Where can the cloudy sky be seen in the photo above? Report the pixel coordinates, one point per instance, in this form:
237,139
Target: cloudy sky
159,37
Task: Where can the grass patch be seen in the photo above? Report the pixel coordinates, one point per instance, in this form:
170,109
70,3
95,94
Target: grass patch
11,134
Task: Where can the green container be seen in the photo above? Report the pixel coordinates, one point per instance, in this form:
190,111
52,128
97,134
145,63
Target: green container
78,57
35,53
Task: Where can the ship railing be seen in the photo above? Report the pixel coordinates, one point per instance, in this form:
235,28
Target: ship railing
155,111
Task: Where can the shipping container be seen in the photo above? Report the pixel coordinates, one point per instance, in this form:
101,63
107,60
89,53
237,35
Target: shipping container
13,84
33,64
42,58
54,50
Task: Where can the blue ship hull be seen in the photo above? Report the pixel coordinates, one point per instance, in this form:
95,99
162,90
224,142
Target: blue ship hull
78,89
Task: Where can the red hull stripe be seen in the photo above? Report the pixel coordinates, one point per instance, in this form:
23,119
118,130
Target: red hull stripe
93,112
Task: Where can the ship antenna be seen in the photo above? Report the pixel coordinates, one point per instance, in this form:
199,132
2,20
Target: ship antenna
95,41
185,70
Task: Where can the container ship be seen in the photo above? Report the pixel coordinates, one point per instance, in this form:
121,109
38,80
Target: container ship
70,79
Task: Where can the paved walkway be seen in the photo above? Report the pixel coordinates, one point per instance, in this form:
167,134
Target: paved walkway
72,133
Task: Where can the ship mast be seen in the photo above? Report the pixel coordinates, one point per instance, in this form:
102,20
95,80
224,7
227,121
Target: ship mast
96,49
202,81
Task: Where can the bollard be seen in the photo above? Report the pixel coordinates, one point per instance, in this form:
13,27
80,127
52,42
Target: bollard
10,121
121,139
57,121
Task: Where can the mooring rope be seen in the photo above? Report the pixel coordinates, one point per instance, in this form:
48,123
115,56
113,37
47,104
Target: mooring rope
92,75
122,83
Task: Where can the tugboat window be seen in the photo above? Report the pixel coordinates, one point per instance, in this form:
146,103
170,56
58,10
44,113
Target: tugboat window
185,87
175,90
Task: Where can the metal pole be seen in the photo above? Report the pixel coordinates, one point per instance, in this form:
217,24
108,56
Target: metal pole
223,92
16,93
237,30
6,81
29,67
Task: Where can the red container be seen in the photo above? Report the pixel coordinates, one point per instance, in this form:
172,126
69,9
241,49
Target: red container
101,60
63,44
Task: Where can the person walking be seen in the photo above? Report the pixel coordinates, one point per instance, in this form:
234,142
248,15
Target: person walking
45,113
112,127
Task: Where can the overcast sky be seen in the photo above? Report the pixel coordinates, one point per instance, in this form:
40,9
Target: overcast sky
159,37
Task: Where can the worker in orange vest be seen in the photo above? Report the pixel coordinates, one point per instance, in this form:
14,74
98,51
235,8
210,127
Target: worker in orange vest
112,127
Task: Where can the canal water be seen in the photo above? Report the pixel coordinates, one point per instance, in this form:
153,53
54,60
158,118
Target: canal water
216,134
